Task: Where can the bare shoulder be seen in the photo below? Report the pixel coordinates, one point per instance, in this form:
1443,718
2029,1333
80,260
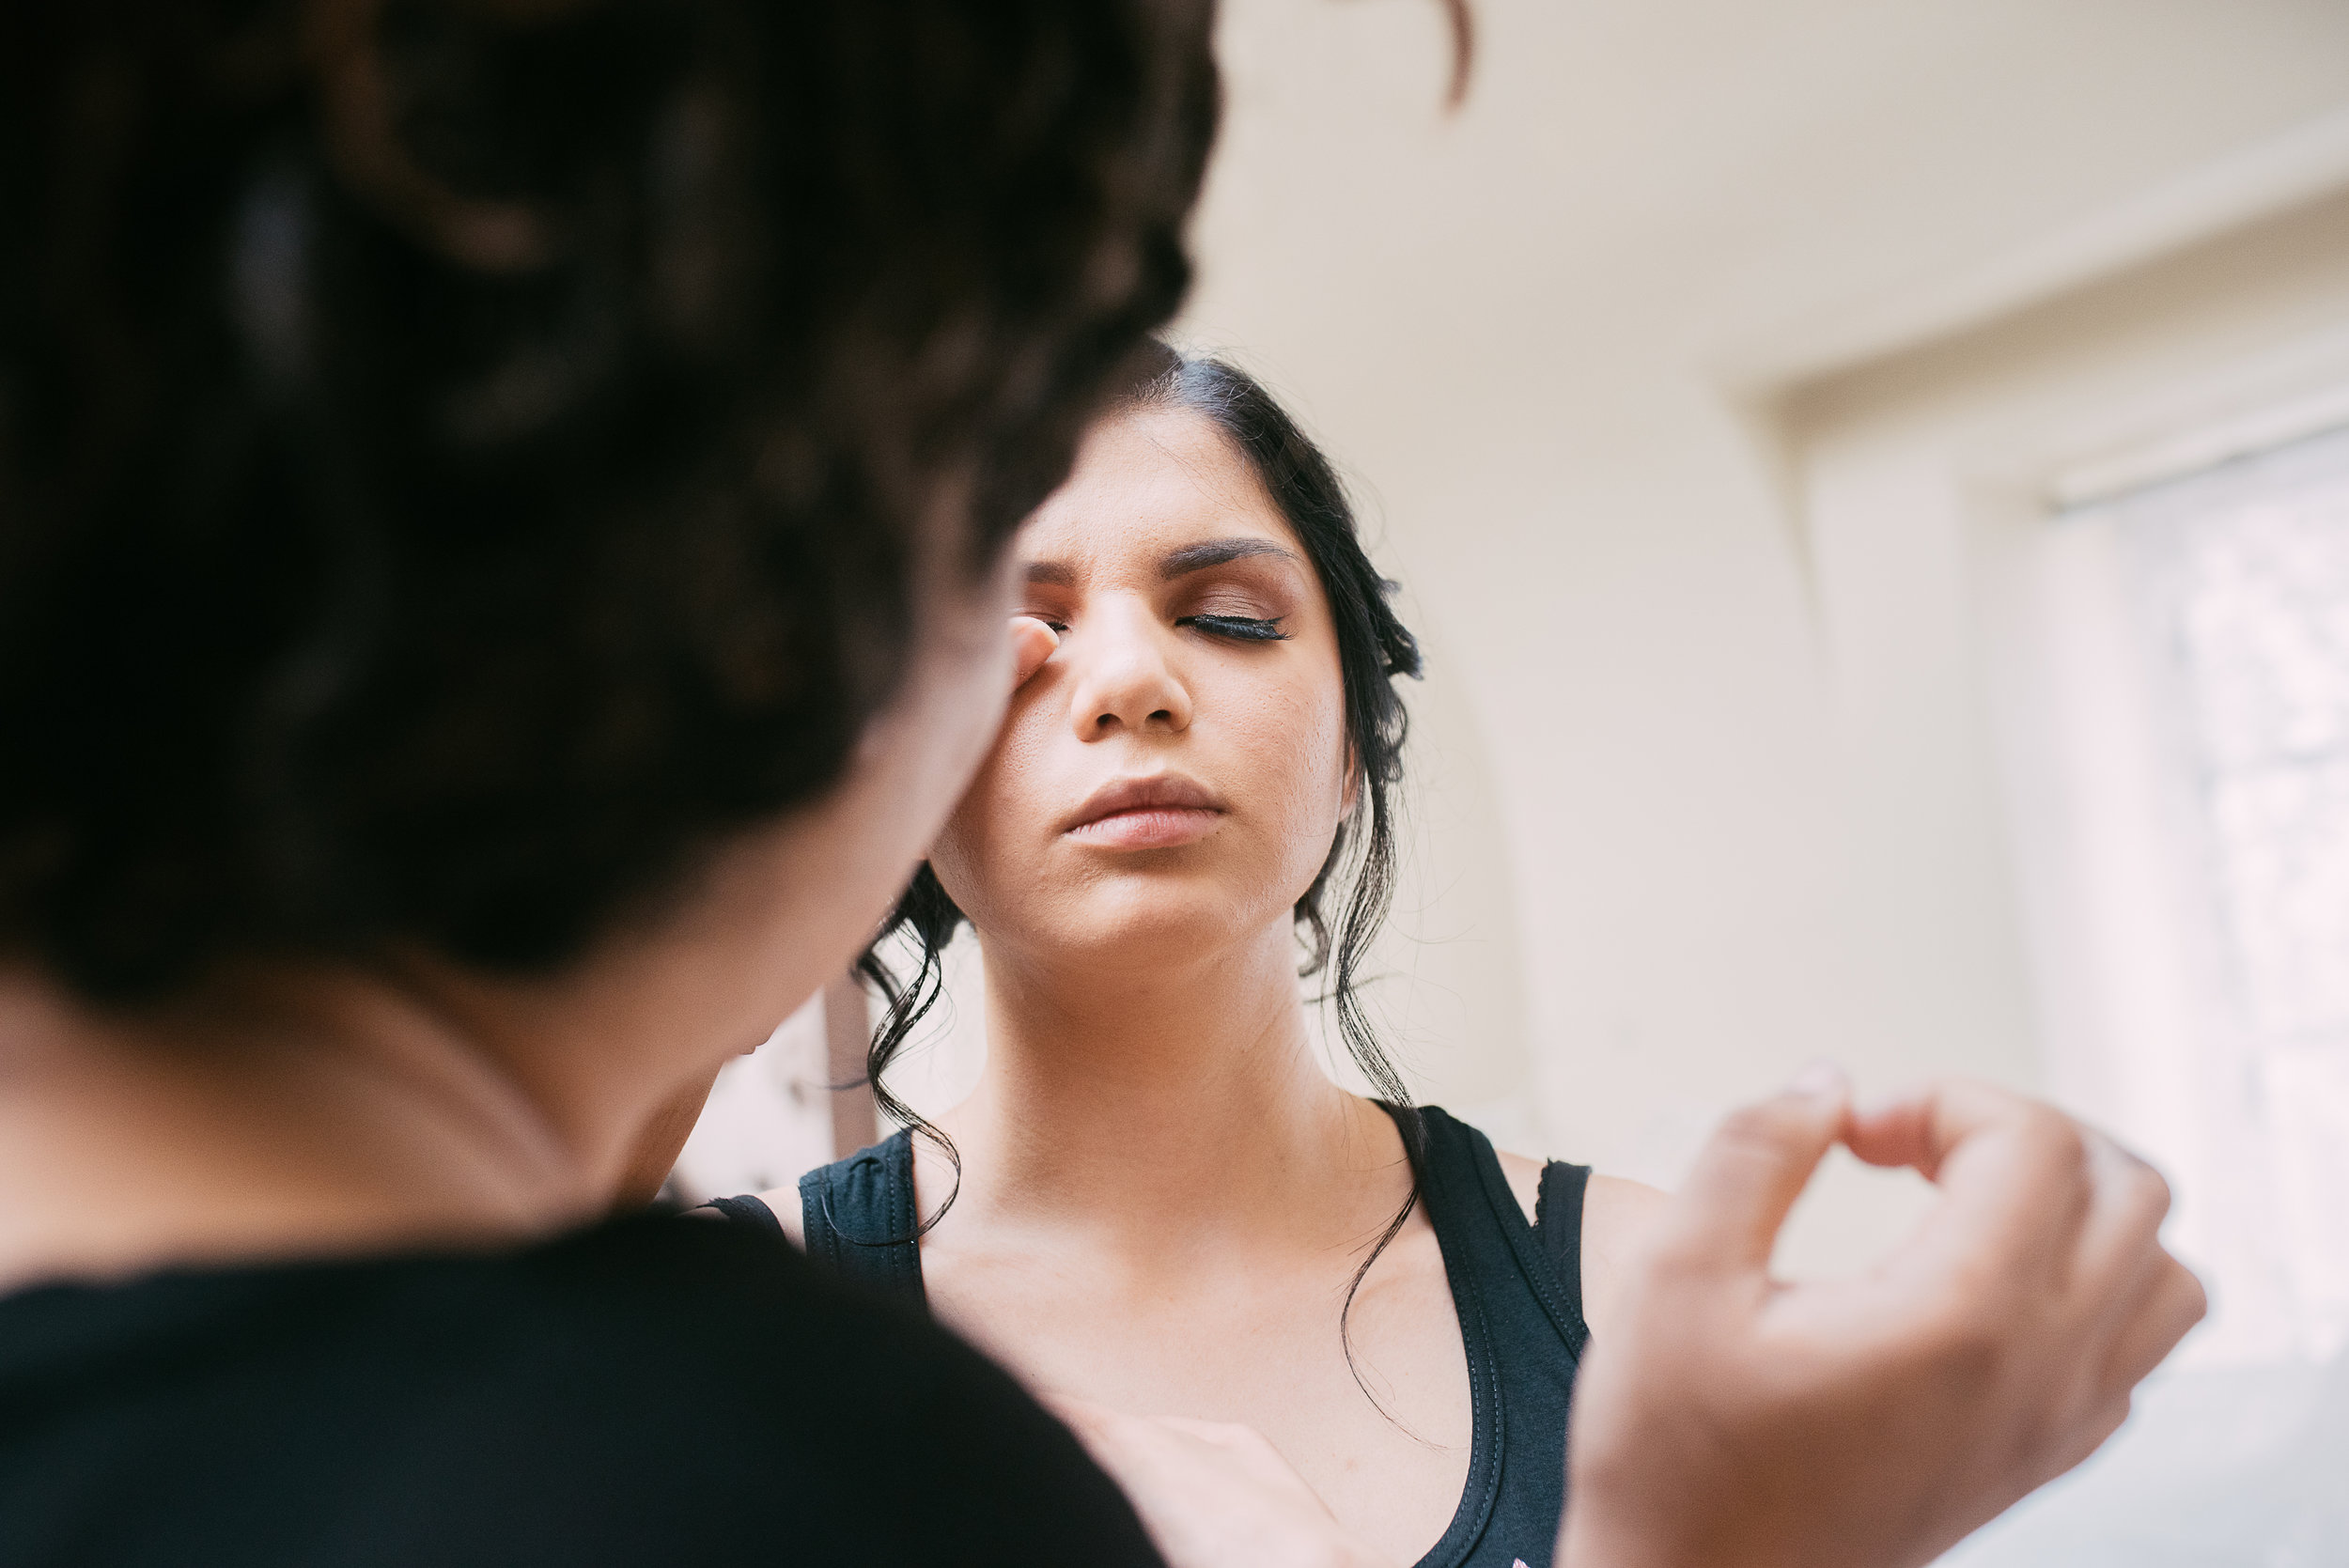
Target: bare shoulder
1616,1214
785,1202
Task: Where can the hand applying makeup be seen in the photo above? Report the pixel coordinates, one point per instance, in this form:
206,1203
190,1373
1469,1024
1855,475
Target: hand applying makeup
1032,643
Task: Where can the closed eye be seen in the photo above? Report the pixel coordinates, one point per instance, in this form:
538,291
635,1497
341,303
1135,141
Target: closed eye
1240,629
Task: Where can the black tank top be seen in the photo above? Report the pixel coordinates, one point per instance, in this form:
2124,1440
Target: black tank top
1518,1289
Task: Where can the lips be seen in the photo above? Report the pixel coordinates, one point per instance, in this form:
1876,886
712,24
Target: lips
1158,813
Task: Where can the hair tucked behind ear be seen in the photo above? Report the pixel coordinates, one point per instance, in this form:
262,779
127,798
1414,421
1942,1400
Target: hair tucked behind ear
1342,911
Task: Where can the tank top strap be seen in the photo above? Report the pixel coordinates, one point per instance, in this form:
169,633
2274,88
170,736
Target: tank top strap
1558,1221
860,1221
1526,1324
1487,1216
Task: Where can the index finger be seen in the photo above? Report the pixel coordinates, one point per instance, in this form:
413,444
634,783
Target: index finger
2015,1174
1032,643
1958,1119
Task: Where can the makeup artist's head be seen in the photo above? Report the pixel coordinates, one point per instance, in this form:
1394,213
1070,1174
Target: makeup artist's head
516,492
1206,759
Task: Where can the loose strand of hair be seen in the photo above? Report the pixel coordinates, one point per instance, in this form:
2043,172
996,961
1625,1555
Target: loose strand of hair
1370,897
906,1005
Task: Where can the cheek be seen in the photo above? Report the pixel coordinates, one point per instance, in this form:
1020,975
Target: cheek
1293,741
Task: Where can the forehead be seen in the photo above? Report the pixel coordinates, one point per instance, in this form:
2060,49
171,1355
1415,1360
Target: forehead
1149,481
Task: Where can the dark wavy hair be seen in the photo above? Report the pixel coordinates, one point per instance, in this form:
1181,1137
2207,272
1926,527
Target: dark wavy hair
461,460
1347,901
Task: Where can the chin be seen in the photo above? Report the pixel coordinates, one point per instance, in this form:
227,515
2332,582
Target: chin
1154,924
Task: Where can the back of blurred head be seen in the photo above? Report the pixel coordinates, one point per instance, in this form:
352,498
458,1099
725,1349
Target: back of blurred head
460,461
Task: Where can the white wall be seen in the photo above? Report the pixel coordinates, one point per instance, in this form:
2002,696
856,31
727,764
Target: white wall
1981,709
1549,337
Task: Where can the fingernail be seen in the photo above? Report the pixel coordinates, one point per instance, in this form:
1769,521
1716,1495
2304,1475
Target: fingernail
1819,1079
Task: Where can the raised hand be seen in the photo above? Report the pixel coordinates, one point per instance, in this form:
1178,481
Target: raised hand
1737,1421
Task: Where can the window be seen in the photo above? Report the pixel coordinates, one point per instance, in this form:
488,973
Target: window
2233,585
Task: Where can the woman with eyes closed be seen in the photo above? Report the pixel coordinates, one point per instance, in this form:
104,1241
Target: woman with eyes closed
1155,1201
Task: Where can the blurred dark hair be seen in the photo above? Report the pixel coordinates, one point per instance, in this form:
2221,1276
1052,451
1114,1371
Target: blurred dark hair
1374,648
460,461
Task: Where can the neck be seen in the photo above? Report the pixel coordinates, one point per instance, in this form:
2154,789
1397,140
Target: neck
1177,1095
296,1117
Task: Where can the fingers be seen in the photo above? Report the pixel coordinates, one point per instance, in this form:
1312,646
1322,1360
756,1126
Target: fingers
2121,1238
2170,1303
2016,1179
2125,1304
2075,1442
1922,1127
1751,1170
1896,1130
1032,643
2053,1220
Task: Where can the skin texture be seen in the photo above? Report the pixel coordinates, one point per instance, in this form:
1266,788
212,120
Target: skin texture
1155,1162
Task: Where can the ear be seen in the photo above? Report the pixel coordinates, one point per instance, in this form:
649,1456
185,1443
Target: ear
1353,781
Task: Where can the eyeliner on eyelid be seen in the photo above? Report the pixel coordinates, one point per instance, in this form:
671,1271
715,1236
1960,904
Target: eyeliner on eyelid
1240,629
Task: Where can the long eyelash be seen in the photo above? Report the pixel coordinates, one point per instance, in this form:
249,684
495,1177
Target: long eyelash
1240,628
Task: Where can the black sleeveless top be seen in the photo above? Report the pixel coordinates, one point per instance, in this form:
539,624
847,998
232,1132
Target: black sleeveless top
1518,1289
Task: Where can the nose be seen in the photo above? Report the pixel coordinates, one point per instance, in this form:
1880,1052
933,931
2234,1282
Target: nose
1126,681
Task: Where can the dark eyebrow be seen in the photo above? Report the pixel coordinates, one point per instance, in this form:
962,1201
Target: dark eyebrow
1216,552
1060,574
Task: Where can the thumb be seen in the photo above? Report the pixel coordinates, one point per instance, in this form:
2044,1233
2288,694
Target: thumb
1728,1213
1032,643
